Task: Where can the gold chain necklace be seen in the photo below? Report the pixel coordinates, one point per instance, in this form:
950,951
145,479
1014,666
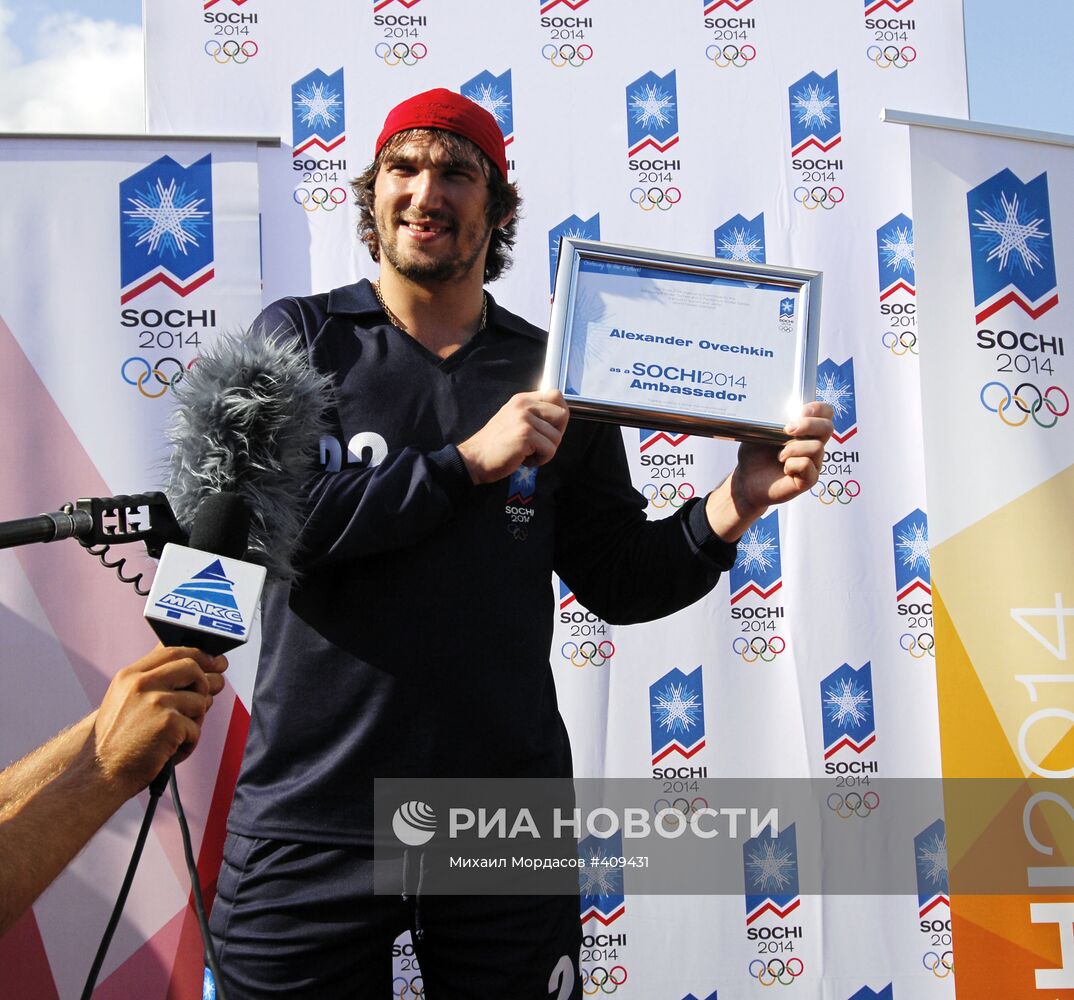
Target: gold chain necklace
396,321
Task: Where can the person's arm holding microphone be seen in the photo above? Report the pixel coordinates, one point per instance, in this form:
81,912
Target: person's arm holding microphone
57,797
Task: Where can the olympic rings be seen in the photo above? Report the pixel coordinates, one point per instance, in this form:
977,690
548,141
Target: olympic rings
898,344
836,491
231,54
400,52
731,55
329,200
819,197
687,808
1027,409
891,55
410,988
853,803
616,977
654,197
776,969
759,648
946,962
589,652
917,642
576,57
659,496
162,377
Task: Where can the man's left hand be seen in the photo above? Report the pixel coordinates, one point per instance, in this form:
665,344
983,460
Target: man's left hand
769,474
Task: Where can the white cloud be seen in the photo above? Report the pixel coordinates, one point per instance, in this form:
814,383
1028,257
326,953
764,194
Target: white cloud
84,76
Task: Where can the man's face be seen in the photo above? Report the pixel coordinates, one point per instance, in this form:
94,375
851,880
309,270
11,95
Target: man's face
430,212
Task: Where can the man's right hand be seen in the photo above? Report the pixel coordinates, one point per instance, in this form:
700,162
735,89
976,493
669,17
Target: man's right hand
526,430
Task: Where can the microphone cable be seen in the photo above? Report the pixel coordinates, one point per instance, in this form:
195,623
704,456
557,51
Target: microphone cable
166,778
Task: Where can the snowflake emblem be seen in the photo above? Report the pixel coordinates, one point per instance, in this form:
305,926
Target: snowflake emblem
845,702
318,105
836,393
1011,226
168,219
771,868
679,708
568,234
525,476
913,546
597,878
932,859
742,245
814,106
652,107
493,100
898,250
755,548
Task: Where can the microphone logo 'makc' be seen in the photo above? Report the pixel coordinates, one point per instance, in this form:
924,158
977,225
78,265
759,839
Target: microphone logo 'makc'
166,227
208,599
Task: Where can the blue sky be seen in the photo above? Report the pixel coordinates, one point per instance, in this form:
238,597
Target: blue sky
1017,54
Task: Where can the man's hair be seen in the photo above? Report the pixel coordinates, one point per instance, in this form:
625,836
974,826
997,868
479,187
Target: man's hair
503,196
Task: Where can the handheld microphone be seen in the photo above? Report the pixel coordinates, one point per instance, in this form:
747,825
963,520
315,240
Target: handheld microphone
205,594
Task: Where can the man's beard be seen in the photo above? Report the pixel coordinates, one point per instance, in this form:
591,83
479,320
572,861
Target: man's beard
432,269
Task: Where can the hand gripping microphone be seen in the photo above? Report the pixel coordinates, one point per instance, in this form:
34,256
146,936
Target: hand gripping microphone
204,594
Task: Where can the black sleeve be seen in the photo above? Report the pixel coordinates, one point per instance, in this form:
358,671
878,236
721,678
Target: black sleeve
622,566
362,510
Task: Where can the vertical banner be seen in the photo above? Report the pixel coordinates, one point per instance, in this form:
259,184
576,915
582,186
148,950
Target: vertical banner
121,260
994,218
745,129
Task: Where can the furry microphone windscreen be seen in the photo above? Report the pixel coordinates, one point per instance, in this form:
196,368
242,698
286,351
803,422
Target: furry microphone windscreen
250,415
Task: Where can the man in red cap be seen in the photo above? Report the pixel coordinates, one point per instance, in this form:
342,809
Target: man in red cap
416,642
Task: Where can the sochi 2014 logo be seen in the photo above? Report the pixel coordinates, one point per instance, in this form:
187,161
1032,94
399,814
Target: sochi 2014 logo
910,540
835,386
521,490
1011,250
758,569
589,644
571,227
846,702
865,993
712,5
771,870
741,239
379,5
872,6
547,5
166,227
650,438
652,109
895,256
317,112
913,584
814,112
677,714
493,93
601,880
930,855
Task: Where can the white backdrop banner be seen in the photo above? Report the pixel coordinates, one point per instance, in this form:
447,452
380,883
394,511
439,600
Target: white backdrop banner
121,260
997,255
745,128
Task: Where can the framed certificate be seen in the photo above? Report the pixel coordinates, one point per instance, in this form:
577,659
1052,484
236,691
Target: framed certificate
682,343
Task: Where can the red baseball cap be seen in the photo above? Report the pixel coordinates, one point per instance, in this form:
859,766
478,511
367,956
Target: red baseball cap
444,109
